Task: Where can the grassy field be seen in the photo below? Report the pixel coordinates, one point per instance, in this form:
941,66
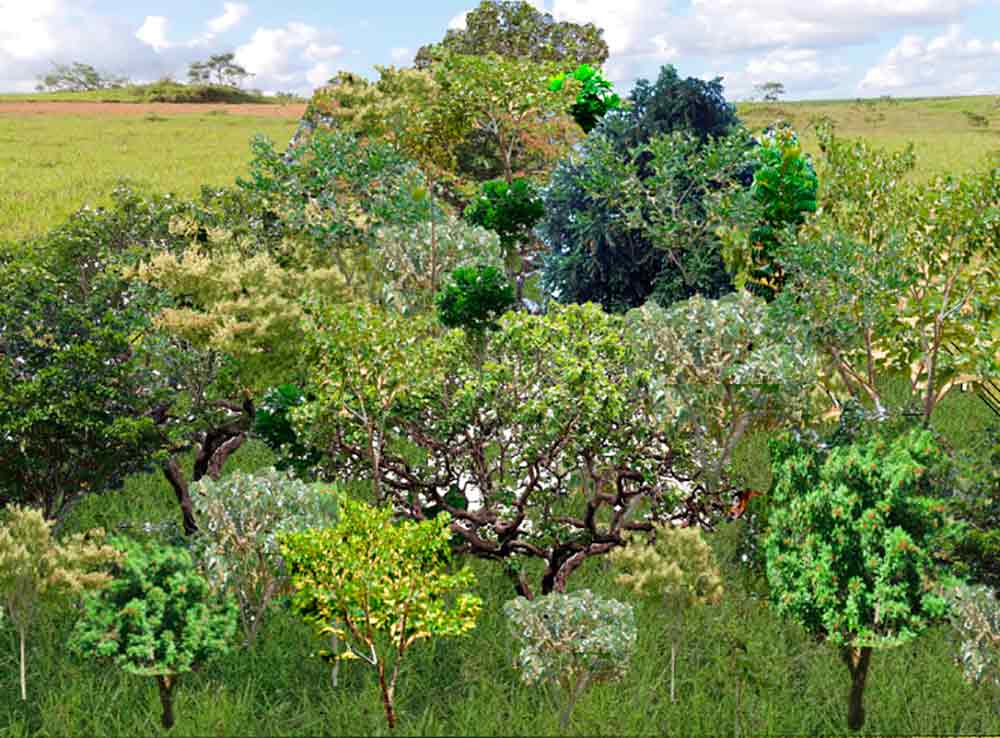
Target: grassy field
143,93
947,139
51,165
741,671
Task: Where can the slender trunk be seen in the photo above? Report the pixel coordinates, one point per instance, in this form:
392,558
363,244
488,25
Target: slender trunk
577,689
673,669
857,661
335,670
390,714
23,632
166,683
433,246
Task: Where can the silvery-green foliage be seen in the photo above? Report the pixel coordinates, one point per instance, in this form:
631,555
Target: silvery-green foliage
241,517
570,638
975,614
406,254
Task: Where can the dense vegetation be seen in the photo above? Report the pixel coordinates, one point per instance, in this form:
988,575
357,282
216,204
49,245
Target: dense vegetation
488,407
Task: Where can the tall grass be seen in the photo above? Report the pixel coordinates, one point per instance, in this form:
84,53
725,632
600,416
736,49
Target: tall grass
740,671
51,165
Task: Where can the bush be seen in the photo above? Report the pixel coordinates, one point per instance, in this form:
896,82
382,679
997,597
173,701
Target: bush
157,617
241,517
976,618
571,640
474,299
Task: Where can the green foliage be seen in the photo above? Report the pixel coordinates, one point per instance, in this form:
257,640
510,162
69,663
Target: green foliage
517,30
894,278
549,448
75,392
976,619
627,216
222,67
852,542
573,640
725,368
157,617
474,299
34,568
509,210
595,98
240,520
78,77
977,504
273,424
380,587
783,193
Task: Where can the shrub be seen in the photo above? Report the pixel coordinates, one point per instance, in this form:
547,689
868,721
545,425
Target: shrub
676,567
272,423
571,640
380,587
976,618
241,517
595,98
35,568
157,617
474,299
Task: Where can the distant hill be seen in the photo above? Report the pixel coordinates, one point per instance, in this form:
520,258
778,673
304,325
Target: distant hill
950,134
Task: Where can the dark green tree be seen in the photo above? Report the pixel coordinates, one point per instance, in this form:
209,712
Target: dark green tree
516,29
474,299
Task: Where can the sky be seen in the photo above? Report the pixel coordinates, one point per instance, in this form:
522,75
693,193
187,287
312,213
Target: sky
819,49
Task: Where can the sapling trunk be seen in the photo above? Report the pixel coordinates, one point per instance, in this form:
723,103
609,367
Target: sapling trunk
857,660
166,683
23,633
387,690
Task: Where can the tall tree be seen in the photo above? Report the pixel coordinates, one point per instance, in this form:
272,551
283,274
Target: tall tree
219,68
516,29
78,77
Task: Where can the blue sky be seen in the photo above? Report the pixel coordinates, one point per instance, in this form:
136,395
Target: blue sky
817,48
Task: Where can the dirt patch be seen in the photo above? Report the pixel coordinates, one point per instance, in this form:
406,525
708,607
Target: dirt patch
102,108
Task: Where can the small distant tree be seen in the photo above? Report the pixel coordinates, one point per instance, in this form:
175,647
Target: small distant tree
380,587
78,77
158,617
676,567
770,91
35,568
572,640
221,69
851,549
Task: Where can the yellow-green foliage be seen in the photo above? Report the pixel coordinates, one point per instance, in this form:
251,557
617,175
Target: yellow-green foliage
245,305
35,567
678,564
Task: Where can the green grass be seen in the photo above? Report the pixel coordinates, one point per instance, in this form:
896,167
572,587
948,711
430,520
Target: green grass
792,686
152,92
51,165
945,140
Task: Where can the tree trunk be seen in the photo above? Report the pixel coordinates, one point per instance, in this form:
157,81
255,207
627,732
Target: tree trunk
857,661
673,670
22,632
172,471
166,683
390,714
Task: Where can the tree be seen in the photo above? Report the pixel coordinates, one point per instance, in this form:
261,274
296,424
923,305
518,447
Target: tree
157,617
236,547
897,278
517,30
573,640
474,299
76,394
551,449
620,229
34,568
380,587
220,68
78,77
674,566
770,91
851,548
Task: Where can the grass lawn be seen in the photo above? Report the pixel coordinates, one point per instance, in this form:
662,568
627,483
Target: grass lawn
51,165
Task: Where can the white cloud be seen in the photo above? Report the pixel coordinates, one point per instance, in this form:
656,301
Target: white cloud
946,64
153,32
401,55
232,14
458,22
291,57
